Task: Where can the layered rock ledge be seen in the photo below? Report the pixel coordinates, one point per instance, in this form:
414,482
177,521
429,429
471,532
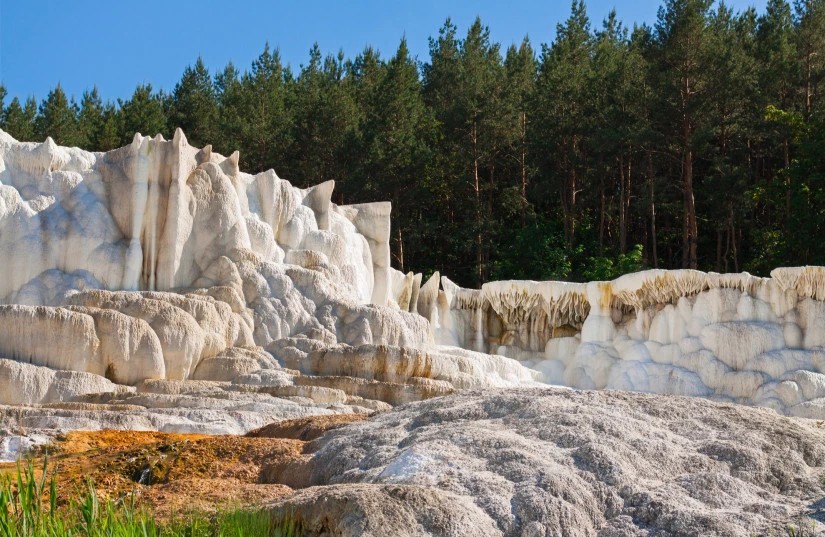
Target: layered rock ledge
159,287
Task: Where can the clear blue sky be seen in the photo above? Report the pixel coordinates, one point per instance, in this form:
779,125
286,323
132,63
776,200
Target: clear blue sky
116,45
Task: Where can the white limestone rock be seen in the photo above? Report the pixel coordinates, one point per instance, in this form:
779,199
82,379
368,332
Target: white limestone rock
737,343
26,384
564,462
160,260
51,337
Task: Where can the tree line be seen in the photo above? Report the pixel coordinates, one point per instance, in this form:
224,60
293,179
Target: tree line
697,142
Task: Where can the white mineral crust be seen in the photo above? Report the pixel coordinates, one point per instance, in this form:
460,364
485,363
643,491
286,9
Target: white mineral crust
160,262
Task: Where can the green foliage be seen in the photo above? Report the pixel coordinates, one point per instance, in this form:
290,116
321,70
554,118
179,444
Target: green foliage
145,113
30,507
792,120
609,268
536,251
57,117
18,120
194,106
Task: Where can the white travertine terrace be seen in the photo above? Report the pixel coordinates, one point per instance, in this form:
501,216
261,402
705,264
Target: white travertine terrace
808,282
160,276
162,268
732,337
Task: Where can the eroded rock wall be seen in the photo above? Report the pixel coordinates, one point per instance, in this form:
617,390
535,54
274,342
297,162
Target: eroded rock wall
163,261
160,267
731,337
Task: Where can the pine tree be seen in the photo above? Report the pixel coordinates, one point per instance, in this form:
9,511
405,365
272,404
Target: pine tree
194,106
19,120
143,113
99,124
561,125
231,124
363,179
446,183
616,78
325,116
463,84
480,93
57,117
520,74
268,129
732,83
396,140
810,21
650,139
776,51
90,120
777,56
681,35
108,137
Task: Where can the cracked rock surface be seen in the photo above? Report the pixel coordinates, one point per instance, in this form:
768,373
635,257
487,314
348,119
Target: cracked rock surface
565,462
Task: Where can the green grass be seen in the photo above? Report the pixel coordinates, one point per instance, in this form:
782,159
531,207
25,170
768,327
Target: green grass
29,508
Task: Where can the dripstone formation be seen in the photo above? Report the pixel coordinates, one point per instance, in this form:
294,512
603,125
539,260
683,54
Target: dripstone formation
157,286
162,284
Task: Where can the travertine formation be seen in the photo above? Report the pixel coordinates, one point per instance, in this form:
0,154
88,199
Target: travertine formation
552,461
729,337
157,286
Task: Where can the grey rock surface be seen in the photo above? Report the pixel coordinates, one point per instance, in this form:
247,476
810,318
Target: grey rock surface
565,462
383,510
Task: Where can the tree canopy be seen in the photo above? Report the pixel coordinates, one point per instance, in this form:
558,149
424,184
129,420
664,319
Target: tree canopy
698,142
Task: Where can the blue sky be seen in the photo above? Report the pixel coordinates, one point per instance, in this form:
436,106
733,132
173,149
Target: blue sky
116,45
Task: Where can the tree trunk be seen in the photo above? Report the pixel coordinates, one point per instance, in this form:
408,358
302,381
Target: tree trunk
477,192
601,217
622,211
490,194
727,249
808,82
689,229
574,183
689,256
523,156
651,183
735,251
624,199
566,207
400,251
788,194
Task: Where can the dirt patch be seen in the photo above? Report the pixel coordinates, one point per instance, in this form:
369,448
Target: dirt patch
80,441
173,474
305,429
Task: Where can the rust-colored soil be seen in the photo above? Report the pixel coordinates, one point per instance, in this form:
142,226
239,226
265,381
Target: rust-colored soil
80,441
173,474
305,429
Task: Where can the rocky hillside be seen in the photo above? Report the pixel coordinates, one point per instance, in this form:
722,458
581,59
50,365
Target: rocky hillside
562,462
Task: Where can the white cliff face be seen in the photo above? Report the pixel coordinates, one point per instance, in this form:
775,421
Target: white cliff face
162,262
155,215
